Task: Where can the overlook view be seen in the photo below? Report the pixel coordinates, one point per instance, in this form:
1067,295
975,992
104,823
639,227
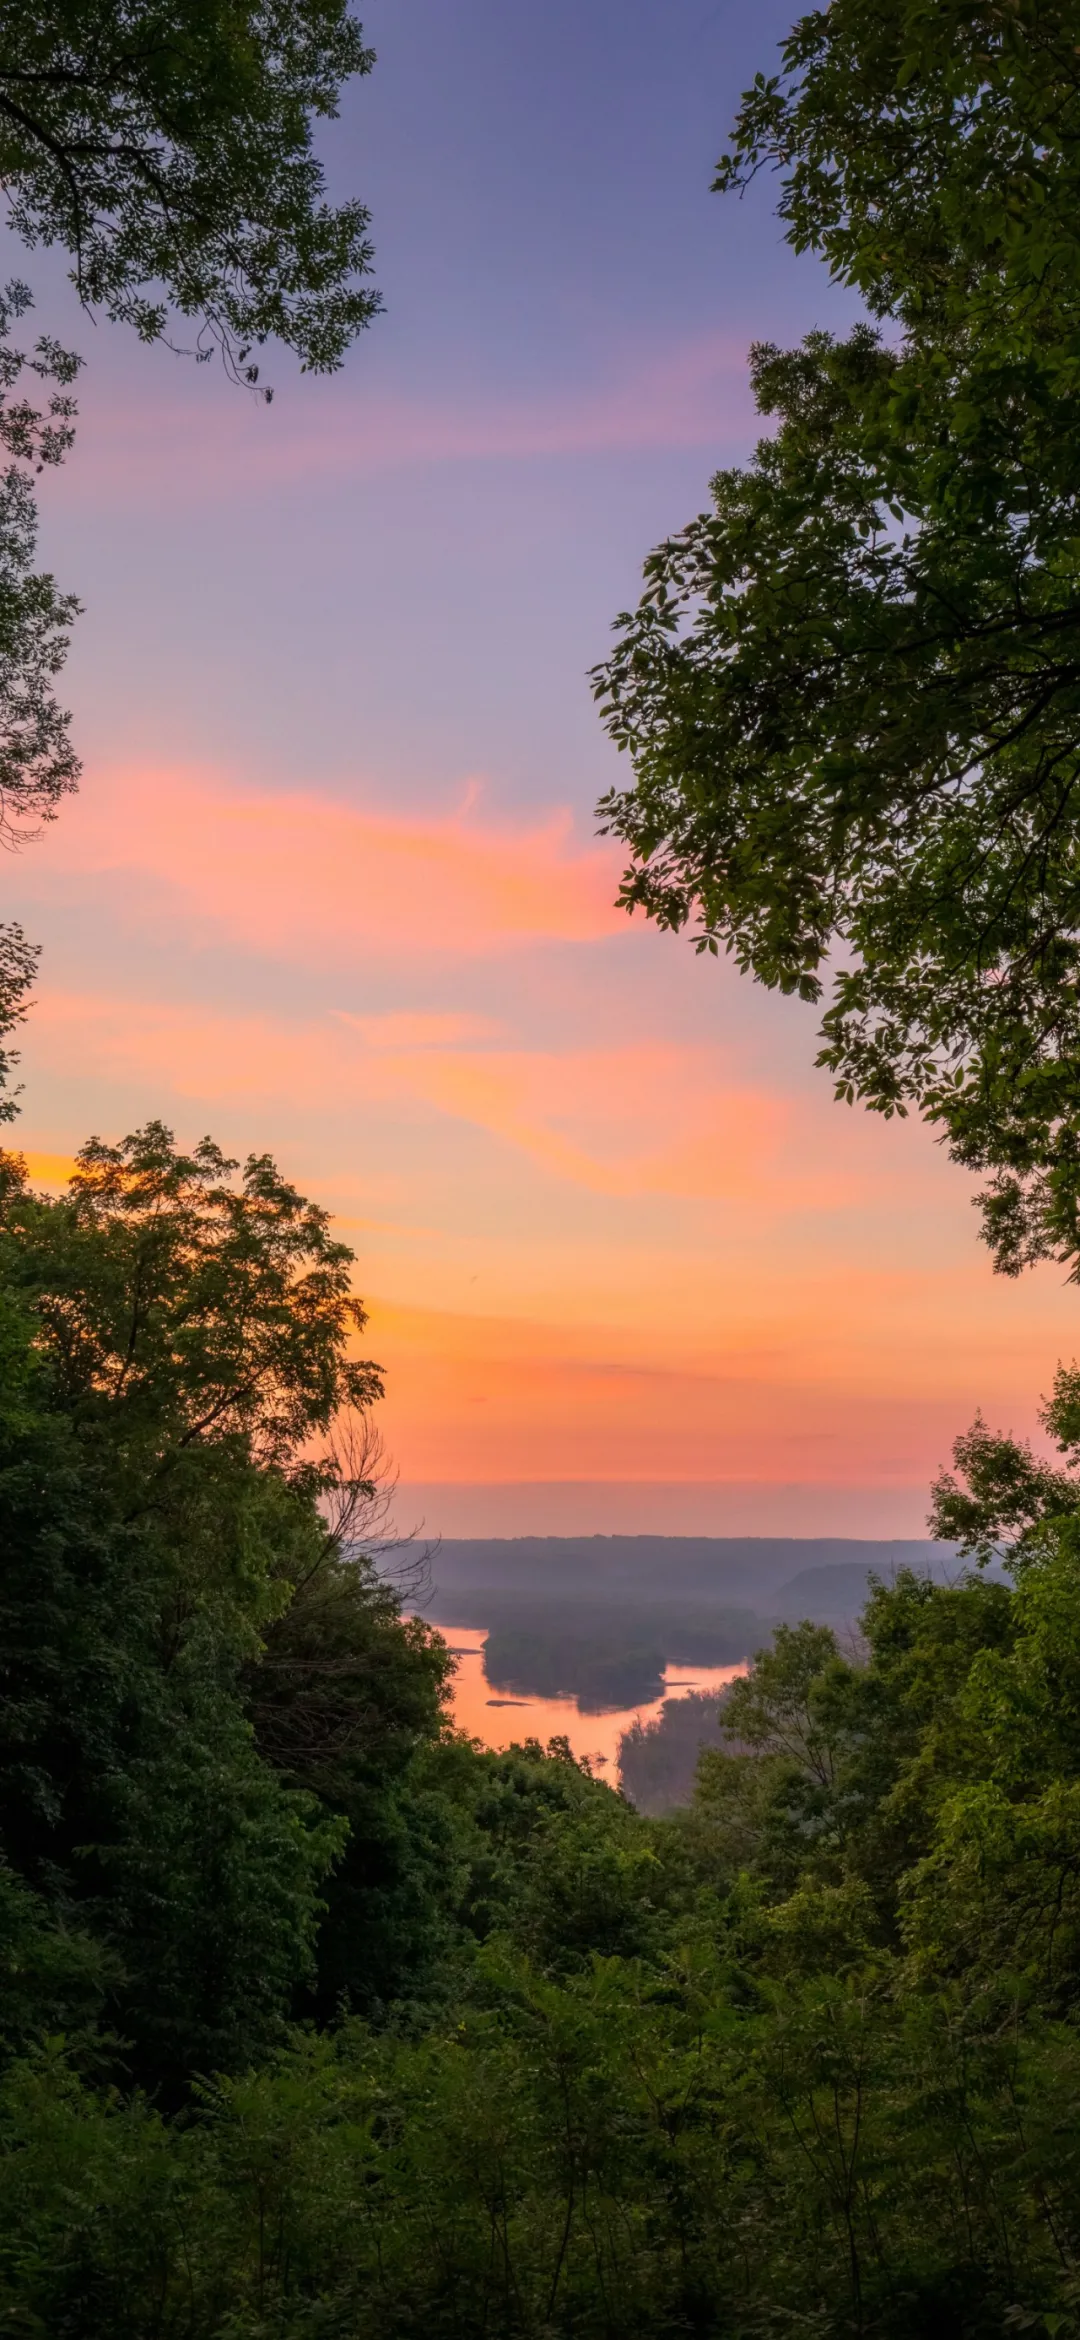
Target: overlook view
540,1170
588,1636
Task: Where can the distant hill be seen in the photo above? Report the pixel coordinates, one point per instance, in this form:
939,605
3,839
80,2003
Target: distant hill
837,1593
750,1572
597,1618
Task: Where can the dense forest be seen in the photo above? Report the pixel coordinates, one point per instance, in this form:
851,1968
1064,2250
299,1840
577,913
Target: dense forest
315,2017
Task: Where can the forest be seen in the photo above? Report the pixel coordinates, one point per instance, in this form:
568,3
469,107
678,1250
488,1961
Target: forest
316,2017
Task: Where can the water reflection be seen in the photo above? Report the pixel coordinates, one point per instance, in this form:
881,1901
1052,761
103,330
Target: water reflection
498,1718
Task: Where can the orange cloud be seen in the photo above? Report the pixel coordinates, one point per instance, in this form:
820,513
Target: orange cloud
188,1052
483,1399
626,1121
656,1119
317,878
556,1341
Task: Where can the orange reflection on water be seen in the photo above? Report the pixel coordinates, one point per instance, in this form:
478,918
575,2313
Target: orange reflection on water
499,1718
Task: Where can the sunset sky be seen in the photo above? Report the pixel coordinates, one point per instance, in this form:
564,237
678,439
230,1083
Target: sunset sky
332,886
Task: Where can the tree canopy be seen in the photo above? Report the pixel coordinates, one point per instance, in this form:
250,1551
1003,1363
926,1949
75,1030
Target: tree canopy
851,690
169,150
196,1306
38,765
209,1703
316,2016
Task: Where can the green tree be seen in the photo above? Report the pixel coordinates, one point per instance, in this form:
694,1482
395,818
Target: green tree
642,2111
18,959
38,765
55,1976
805,2055
170,151
850,689
996,1500
37,762
347,1702
182,1760
200,1311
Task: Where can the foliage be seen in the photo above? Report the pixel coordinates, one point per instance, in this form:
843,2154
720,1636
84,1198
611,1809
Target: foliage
849,690
317,2017
169,151
1009,1492
171,1339
342,1694
584,1653
658,1759
37,763
54,1975
18,959
197,1312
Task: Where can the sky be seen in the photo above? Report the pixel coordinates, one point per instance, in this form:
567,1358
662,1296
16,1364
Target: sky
333,888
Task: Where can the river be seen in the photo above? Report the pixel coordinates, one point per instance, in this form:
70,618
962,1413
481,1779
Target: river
497,1718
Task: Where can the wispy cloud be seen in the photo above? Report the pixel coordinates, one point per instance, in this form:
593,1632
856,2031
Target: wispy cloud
637,1119
651,1339
695,395
317,878
174,1052
659,1119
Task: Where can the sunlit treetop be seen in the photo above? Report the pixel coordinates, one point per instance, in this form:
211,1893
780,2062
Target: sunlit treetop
197,1300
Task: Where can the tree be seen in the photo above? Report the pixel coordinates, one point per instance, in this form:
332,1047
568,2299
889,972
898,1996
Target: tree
169,150
202,1311
345,1695
851,691
1000,1495
133,1803
204,1695
18,959
805,2056
38,765
37,762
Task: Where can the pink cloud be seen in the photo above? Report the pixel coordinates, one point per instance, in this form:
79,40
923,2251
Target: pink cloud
316,878
182,1052
408,1030
604,1343
693,396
